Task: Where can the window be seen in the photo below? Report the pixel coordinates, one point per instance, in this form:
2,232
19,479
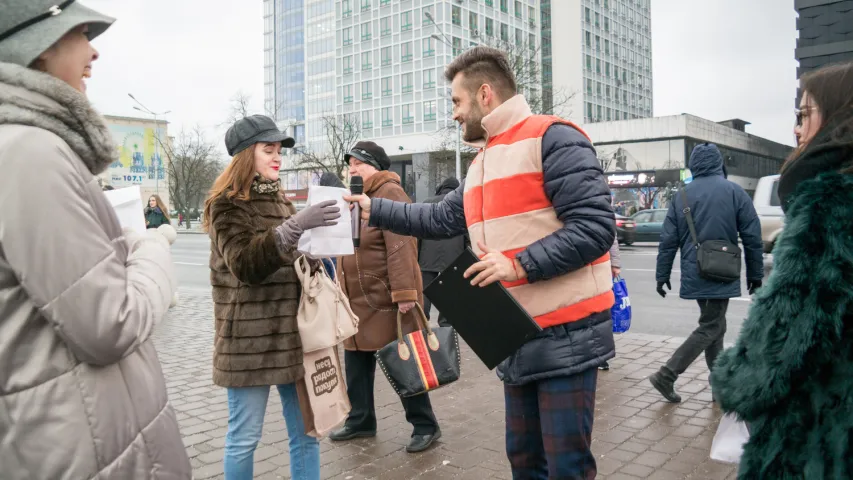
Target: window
504,32
429,47
367,119
386,56
519,38
387,117
504,7
387,89
456,15
347,93
367,90
490,3
589,111
598,66
597,20
586,14
346,8
588,38
608,114
457,46
598,112
429,111
588,62
385,26
408,114
429,79
597,43
607,93
406,52
607,69
424,18
366,64
531,44
531,16
365,31
473,21
490,27
365,5
606,24
598,89
607,47
407,81
347,64
605,4
406,21
384,3
517,9
588,86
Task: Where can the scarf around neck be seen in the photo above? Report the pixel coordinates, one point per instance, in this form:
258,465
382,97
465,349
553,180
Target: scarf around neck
37,99
265,186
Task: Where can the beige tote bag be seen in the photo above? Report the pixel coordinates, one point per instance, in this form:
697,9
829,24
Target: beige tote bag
325,318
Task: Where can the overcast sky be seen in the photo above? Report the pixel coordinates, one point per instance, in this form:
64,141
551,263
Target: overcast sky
718,60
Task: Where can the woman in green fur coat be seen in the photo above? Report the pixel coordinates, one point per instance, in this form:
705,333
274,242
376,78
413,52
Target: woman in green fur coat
790,374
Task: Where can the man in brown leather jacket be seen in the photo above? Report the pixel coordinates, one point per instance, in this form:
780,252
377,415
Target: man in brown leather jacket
381,279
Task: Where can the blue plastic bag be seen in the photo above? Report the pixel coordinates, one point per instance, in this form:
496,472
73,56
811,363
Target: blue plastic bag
621,310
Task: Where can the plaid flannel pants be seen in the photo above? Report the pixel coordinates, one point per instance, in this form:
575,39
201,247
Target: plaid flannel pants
549,427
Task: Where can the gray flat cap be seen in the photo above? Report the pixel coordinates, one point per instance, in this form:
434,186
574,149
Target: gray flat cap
29,27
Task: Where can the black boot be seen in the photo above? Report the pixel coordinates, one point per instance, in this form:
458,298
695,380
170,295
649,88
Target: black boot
419,443
664,382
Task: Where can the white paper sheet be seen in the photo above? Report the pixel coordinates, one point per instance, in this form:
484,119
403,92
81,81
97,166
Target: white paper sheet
329,241
127,203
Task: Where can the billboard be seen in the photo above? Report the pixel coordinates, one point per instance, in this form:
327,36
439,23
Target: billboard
141,156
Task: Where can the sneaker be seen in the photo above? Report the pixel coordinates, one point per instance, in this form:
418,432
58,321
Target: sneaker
665,386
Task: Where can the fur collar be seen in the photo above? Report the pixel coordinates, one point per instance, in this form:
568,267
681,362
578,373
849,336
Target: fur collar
30,97
379,179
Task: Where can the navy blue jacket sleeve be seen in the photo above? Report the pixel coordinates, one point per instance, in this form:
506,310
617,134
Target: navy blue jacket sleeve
668,247
575,184
432,221
749,228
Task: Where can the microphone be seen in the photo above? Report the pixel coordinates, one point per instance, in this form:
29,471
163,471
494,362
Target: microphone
356,187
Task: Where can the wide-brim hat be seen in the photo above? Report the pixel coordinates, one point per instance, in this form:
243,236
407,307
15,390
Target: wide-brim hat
255,129
29,27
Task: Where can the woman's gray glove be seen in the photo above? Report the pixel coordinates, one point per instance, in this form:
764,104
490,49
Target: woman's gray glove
323,214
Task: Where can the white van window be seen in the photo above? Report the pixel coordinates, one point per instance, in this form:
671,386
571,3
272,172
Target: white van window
774,195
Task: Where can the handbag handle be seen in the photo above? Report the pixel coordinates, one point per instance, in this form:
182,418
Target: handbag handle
423,324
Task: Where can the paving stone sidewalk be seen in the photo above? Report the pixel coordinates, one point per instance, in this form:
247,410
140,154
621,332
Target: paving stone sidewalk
636,434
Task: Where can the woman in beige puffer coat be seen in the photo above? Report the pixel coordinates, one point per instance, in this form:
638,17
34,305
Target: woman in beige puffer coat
82,395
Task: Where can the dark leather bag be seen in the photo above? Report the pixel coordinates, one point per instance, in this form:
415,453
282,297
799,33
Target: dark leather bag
718,260
423,360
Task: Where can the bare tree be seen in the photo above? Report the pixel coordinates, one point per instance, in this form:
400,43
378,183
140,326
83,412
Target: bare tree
342,131
524,60
193,165
651,193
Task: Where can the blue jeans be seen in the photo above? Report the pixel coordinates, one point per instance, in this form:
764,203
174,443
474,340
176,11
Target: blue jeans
246,409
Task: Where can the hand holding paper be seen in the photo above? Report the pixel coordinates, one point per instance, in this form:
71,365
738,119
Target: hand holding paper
333,237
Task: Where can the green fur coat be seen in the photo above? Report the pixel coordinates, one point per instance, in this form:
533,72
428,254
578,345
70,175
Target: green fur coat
790,374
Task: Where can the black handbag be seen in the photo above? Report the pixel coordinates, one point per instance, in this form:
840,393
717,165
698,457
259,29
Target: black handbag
718,260
423,360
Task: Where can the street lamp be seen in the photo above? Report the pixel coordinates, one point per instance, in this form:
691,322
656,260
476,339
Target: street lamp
147,110
445,40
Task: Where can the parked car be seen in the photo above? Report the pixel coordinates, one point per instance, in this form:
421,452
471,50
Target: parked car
769,208
649,224
626,230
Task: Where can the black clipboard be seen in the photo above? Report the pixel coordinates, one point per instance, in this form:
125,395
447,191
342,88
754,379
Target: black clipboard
488,318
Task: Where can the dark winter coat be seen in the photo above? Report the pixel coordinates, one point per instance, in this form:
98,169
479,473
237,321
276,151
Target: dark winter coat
436,255
255,293
790,374
154,217
721,210
575,185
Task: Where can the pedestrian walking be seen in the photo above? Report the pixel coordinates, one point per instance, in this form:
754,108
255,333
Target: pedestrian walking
538,213
83,394
156,213
436,255
615,270
381,279
254,231
720,210
789,374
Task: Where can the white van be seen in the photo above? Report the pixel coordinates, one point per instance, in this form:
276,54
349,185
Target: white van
769,208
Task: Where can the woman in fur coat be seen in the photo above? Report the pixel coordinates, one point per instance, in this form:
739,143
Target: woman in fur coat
790,374
254,232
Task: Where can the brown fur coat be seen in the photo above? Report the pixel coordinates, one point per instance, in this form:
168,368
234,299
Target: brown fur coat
255,293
